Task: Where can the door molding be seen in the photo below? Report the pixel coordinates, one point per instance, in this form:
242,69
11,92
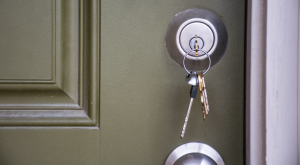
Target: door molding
71,98
272,78
255,82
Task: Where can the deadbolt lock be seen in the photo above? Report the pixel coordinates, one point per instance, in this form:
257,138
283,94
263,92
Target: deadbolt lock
211,36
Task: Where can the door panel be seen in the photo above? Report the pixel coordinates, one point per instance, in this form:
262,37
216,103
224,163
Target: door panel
50,68
49,77
144,97
30,28
75,100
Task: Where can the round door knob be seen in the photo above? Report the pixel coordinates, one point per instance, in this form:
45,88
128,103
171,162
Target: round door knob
195,159
194,153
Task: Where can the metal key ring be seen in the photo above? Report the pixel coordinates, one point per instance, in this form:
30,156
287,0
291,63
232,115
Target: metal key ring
199,56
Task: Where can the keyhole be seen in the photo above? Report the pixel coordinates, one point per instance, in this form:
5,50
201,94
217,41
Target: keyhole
199,41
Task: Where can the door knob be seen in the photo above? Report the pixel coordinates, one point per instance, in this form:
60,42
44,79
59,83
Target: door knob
195,159
194,153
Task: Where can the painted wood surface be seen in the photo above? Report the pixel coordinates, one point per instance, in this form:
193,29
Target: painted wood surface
255,83
68,52
143,96
273,78
282,85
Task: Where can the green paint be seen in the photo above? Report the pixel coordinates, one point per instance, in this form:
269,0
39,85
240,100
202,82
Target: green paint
143,95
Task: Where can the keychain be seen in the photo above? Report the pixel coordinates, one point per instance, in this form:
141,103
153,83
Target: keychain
196,80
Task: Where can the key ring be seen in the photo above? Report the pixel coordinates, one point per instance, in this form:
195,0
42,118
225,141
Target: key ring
200,56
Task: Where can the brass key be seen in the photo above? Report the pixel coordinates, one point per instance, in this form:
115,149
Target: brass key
200,80
205,97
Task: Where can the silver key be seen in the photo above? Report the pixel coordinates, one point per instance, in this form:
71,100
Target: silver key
192,78
193,94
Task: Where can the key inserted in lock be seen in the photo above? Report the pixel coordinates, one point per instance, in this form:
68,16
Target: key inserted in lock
211,36
187,33
199,41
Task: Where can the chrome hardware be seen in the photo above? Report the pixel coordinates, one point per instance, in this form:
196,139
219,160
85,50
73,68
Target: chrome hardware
194,153
211,34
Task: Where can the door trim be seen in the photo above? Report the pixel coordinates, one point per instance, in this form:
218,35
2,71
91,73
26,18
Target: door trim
272,78
73,99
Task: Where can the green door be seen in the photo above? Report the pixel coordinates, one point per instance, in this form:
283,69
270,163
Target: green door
90,82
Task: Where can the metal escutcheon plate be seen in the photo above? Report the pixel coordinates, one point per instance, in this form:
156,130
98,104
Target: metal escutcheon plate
194,153
181,32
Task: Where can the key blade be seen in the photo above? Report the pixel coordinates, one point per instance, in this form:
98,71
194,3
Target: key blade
187,117
205,96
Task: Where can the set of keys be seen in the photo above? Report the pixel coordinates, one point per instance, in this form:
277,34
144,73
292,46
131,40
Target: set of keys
203,95
196,80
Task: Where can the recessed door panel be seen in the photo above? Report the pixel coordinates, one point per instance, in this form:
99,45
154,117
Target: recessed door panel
98,86
49,70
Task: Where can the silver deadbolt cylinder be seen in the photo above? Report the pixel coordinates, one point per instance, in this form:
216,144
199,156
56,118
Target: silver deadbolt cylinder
211,37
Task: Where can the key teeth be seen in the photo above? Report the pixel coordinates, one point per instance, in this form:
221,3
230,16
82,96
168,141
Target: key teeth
182,133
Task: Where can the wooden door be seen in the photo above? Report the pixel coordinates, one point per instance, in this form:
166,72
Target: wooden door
90,82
